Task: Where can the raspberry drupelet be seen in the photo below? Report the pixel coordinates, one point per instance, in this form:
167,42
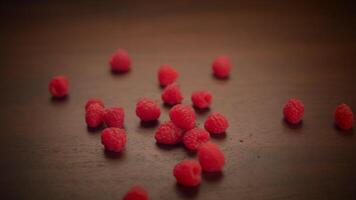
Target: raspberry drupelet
94,101
171,95
94,115
167,75
211,158
182,116
59,86
168,133
216,123
113,139
120,61
147,110
188,173
293,111
344,117
221,67
201,99
136,193
114,117
195,137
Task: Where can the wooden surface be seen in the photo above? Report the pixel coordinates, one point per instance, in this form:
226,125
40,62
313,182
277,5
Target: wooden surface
278,49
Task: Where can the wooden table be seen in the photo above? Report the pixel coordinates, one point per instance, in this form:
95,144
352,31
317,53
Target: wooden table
278,49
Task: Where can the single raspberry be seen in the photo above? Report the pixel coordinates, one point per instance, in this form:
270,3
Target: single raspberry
94,101
114,117
344,118
216,123
201,99
94,115
120,61
293,111
171,95
183,116
221,67
211,158
113,139
136,193
167,75
147,110
195,137
59,86
168,133
188,172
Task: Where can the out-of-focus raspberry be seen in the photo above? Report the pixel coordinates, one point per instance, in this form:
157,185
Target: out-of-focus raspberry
221,67
113,139
94,115
59,86
201,99
188,173
211,158
120,61
167,75
216,123
293,111
168,133
183,116
114,117
136,193
94,101
344,117
195,137
147,110
172,95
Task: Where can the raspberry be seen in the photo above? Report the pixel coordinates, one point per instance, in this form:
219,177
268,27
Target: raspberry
113,139
216,123
195,137
171,95
94,115
188,172
168,133
211,158
94,101
120,61
58,86
136,193
293,111
114,117
344,118
167,75
147,110
221,67
183,116
201,99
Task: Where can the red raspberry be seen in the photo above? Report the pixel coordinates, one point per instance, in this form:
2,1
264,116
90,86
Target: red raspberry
171,95
114,117
216,123
147,110
195,137
183,116
188,172
58,86
167,75
168,133
113,139
211,158
120,61
94,101
94,115
344,118
221,67
136,193
201,99
293,111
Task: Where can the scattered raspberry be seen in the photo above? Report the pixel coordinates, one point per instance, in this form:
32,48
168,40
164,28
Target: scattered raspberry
216,123
114,117
344,118
58,86
293,111
195,137
211,158
168,133
167,75
94,101
201,99
188,172
171,95
136,193
120,61
113,139
221,67
94,115
147,110
183,116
